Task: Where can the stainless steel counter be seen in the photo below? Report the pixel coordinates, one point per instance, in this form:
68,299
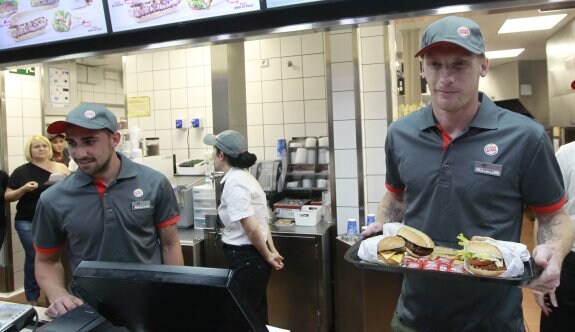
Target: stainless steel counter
318,229
189,236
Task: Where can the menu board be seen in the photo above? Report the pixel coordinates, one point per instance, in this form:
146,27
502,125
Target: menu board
282,3
136,14
31,22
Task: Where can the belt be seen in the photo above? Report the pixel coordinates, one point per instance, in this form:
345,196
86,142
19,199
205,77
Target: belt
245,247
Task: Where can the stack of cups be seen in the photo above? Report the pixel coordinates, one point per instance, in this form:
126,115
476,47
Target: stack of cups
300,156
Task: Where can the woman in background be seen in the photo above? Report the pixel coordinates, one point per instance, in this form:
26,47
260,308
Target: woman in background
248,244
3,217
25,185
59,151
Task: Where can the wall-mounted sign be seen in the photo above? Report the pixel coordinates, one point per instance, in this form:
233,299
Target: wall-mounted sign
139,107
32,22
24,71
136,14
59,86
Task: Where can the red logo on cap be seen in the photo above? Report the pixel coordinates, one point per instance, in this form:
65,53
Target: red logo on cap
464,31
90,114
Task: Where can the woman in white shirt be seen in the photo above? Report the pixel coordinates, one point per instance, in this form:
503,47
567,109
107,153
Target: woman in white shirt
248,244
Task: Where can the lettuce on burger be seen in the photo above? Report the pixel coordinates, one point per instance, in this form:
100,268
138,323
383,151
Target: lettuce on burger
482,258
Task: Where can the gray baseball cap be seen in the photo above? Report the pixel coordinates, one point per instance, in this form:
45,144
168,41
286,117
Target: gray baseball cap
90,116
454,30
230,142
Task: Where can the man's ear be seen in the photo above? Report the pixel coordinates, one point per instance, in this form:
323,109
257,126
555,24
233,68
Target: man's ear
484,67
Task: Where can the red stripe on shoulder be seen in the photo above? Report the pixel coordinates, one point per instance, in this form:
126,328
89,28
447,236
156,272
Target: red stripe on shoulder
394,190
47,251
168,222
549,208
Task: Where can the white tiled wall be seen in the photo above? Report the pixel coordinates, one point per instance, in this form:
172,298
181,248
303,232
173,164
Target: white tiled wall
178,83
344,90
374,114
285,90
109,90
23,119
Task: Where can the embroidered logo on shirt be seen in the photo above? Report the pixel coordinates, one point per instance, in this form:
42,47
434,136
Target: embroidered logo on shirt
138,193
89,114
491,149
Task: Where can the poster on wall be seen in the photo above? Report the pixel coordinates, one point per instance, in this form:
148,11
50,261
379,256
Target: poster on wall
283,3
59,86
31,22
139,107
135,14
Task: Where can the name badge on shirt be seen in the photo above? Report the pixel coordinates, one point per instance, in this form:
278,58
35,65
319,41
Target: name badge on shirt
488,169
140,205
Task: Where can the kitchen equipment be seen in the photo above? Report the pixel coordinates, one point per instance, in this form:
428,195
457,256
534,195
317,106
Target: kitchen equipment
191,167
268,173
204,201
163,164
287,207
185,203
152,146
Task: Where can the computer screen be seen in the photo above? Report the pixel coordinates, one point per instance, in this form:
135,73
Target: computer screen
145,297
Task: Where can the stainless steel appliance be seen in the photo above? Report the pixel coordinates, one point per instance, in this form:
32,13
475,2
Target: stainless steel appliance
185,202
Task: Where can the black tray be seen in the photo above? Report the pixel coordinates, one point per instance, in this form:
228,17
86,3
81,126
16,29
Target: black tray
531,271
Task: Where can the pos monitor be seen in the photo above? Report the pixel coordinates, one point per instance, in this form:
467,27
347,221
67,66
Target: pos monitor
144,297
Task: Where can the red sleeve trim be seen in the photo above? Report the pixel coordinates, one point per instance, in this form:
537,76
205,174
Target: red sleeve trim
168,222
549,208
47,251
394,190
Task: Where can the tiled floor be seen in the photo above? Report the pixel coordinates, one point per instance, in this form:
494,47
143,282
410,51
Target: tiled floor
531,311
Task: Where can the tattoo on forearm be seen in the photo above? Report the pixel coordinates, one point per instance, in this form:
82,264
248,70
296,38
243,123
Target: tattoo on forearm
547,233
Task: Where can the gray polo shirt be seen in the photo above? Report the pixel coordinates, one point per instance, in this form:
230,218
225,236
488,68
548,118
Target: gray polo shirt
475,184
118,223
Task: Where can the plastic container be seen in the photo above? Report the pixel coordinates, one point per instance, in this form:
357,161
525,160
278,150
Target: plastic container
152,146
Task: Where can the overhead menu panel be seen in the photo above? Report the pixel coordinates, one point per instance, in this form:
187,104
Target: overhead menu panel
32,22
282,3
136,14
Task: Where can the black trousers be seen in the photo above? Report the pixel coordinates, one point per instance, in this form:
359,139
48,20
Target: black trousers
562,318
252,273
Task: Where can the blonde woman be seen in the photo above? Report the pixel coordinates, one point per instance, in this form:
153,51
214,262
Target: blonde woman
25,185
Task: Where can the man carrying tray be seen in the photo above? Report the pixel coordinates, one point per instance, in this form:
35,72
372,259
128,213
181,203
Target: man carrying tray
464,165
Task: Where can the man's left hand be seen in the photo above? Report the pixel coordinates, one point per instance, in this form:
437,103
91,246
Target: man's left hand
547,258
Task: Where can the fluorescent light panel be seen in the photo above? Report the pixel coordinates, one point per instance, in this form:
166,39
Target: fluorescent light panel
504,53
531,23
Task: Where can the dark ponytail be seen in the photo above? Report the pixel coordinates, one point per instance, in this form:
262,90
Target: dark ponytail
243,160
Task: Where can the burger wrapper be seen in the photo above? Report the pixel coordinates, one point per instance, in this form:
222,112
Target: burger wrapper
368,247
514,255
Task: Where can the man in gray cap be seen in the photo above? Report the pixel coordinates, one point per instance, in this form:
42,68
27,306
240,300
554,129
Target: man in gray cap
464,165
111,209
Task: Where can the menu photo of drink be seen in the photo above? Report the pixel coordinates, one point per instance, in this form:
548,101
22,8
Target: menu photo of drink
31,22
135,14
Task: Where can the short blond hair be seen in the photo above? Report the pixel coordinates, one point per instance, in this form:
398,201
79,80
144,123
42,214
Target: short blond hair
36,139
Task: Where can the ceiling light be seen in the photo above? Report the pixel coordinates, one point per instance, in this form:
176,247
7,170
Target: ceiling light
531,23
504,53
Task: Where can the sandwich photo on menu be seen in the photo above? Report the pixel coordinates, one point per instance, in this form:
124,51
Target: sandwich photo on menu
145,10
26,25
8,7
45,4
199,4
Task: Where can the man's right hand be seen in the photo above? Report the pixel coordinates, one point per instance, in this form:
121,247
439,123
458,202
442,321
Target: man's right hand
62,305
